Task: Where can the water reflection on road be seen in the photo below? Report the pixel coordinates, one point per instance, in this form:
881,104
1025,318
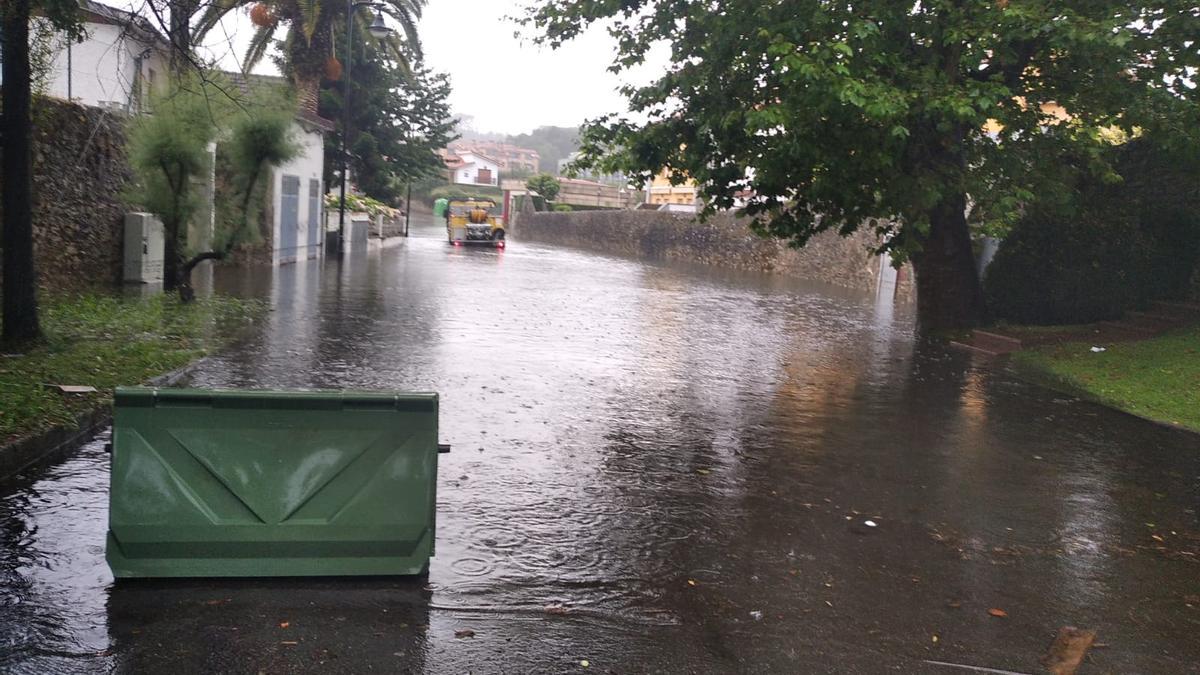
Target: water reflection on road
655,468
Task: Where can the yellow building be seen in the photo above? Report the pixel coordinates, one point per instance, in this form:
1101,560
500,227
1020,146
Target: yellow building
660,191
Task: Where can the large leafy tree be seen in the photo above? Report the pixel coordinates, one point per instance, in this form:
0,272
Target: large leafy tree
399,117
20,310
907,117
308,28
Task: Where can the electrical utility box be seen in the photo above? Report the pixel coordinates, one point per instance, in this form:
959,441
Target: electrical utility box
144,243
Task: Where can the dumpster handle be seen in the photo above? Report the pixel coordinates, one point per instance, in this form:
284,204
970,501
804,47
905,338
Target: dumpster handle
443,448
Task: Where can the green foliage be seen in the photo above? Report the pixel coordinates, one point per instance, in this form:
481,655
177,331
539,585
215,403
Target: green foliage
465,192
1154,378
398,119
563,208
361,204
310,27
45,41
168,149
260,137
1106,247
836,115
545,185
105,342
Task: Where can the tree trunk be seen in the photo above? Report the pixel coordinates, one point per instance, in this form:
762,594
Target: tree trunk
308,93
949,295
171,256
20,276
180,34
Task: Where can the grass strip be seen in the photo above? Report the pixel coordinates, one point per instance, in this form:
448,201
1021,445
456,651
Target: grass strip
1156,378
108,341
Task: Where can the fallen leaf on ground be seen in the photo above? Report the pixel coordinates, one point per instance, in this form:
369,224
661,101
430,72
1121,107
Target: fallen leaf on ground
691,582
1068,649
465,633
289,642
556,609
997,612
284,624
702,472
954,604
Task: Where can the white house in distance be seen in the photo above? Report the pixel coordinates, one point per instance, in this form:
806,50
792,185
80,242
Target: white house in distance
296,208
472,168
121,58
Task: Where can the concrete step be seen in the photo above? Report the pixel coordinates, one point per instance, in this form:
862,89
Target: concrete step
996,341
969,347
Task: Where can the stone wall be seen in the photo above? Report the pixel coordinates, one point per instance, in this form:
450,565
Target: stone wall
721,241
79,174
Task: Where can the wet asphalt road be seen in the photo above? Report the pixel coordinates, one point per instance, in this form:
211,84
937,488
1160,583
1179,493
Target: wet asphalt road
684,462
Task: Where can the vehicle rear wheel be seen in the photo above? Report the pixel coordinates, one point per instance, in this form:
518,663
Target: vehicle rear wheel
498,235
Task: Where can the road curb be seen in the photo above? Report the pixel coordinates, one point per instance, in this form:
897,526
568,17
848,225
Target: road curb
59,441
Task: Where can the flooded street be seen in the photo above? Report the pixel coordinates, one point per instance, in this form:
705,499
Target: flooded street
654,469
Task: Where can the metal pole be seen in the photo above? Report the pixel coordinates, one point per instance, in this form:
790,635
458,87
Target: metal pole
345,127
69,97
407,207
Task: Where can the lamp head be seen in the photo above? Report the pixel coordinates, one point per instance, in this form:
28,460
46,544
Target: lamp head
378,28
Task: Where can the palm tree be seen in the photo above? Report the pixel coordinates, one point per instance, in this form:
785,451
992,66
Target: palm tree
309,46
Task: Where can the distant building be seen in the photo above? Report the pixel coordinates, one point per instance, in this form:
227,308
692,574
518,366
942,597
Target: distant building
612,178
661,191
472,168
122,57
511,158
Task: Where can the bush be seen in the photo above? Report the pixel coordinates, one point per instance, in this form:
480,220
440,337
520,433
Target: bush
361,204
1112,248
565,208
544,185
1062,269
465,192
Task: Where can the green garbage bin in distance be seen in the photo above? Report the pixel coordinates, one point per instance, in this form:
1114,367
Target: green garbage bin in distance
269,483
439,207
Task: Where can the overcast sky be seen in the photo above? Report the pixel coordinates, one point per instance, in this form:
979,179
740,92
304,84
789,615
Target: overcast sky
506,84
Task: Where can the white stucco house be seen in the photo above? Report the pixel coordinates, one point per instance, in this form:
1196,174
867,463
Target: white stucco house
295,210
472,168
121,58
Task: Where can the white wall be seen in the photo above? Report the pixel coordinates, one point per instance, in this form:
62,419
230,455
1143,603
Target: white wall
307,165
102,67
468,174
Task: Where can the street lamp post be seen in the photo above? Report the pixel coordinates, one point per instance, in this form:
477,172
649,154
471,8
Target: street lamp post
380,30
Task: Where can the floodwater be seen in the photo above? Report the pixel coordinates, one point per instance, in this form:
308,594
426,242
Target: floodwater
655,469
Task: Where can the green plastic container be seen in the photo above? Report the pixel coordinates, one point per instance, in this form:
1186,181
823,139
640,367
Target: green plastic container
267,483
439,207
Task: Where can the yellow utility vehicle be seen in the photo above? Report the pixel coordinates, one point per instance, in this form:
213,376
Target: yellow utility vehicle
473,221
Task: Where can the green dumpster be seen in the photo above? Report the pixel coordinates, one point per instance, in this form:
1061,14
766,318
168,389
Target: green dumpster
264,483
